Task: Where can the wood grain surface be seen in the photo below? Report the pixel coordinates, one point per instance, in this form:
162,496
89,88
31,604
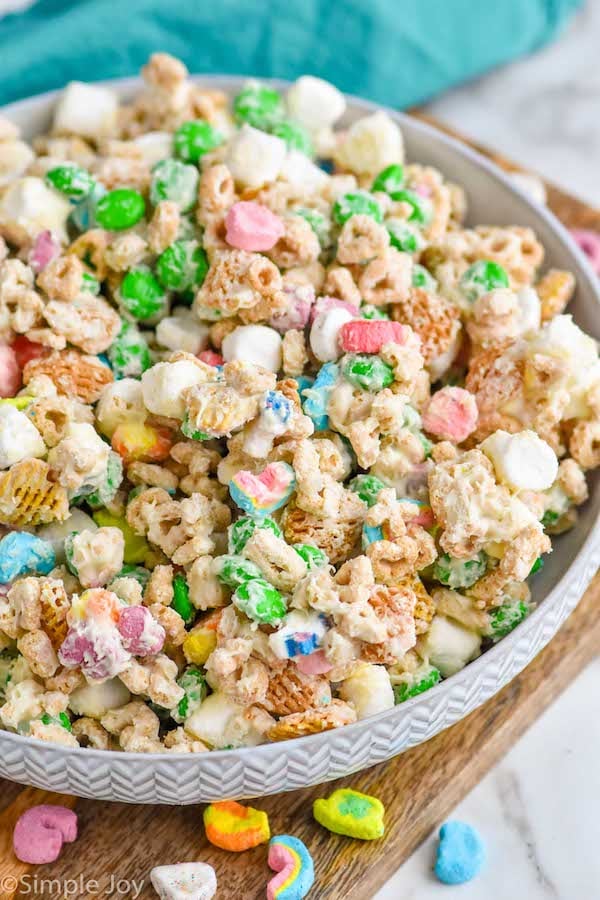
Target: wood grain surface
119,843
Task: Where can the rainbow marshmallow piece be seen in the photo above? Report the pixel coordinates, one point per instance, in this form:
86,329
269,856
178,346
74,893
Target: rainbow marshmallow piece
294,866
260,495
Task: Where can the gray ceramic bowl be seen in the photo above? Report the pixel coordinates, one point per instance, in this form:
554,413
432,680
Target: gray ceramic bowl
270,768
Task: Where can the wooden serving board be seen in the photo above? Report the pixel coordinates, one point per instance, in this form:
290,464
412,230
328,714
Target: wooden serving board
120,843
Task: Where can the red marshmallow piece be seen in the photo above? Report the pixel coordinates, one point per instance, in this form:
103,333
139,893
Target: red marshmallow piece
211,358
451,414
41,831
370,335
252,227
26,350
10,372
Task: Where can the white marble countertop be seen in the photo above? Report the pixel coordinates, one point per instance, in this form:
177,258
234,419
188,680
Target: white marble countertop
537,809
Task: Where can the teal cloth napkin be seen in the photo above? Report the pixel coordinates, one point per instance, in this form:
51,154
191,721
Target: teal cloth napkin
397,52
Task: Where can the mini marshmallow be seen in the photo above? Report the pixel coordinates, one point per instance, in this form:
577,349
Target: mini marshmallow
325,333
255,158
369,690
315,103
15,158
182,331
19,438
155,146
120,401
302,173
449,646
87,110
523,461
164,384
28,207
371,144
95,700
531,310
256,344
217,722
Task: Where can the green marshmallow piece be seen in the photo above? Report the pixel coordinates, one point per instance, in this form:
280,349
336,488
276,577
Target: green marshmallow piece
181,602
90,284
120,209
404,236
506,617
537,566
240,532
370,373
109,485
182,266
420,206
61,719
260,601
459,573
193,139
235,570
354,204
142,294
314,557
193,433
193,682
70,180
367,487
258,105
129,355
389,180
368,311
420,684
421,278
295,136
319,224
176,181
141,574
352,814
481,278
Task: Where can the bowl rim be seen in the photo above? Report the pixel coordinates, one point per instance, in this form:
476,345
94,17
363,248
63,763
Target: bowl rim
578,563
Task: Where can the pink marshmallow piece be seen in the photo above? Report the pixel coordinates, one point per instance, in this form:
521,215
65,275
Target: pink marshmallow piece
10,373
41,831
45,248
451,414
325,303
589,241
252,227
211,358
140,633
370,335
314,664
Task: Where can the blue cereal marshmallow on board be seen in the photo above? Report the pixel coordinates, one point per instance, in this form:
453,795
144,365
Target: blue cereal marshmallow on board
315,399
460,855
22,553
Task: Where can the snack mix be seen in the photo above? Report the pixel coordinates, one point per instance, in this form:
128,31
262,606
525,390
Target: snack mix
281,439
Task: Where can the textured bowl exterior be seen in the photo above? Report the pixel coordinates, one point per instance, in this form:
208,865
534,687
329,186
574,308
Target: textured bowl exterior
285,766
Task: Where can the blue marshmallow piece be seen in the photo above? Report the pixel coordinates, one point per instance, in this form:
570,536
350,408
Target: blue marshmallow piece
460,854
22,553
315,399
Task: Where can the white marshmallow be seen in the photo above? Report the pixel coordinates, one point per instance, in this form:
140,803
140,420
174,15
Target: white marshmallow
184,881
15,158
120,401
164,383
523,461
95,700
325,330
370,145
19,438
28,206
315,103
302,173
219,722
449,646
88,110
531,310
254,158
256,344
182,331
155,146
369,690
